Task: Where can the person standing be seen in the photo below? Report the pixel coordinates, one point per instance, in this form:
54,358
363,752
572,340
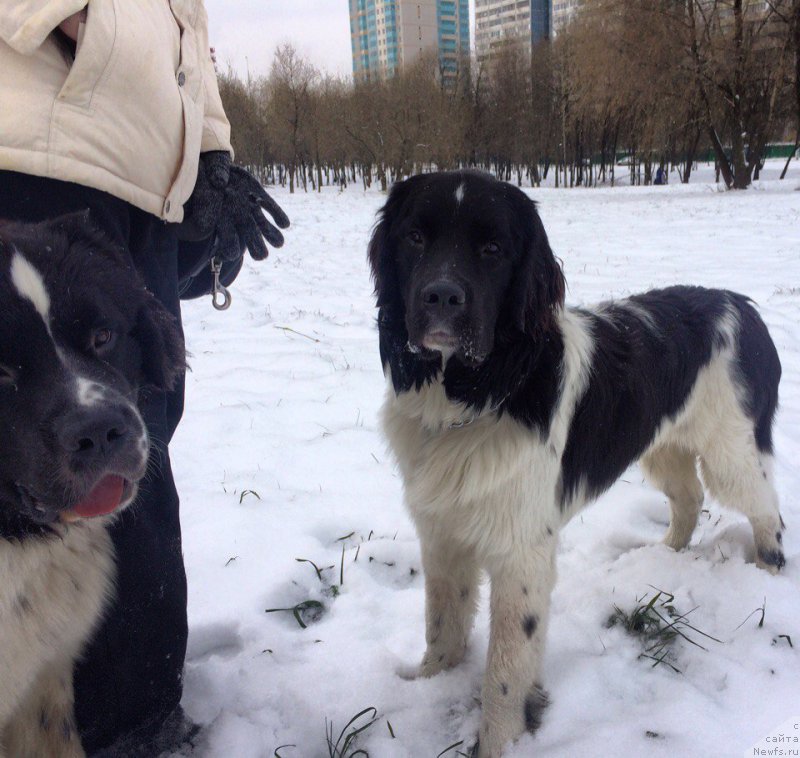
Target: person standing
114,107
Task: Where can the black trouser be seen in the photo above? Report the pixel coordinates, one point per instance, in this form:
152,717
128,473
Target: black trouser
131,675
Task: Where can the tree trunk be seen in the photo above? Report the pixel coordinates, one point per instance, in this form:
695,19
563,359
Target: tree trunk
723,165
791,155
690,156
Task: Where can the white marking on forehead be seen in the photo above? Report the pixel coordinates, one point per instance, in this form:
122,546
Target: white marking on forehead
30,285
460,193
89,393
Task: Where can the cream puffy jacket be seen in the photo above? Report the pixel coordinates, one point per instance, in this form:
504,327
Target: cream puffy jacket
130,115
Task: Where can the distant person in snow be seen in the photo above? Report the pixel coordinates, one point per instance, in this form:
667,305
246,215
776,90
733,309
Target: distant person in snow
661,177
114,107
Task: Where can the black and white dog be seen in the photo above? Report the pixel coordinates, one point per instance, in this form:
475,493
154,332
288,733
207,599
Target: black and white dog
79,335
508,412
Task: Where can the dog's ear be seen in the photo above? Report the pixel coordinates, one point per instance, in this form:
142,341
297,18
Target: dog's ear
161,343
82,231
380,252
539,285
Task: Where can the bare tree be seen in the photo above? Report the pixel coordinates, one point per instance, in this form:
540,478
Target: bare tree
289,92
739,62
651,83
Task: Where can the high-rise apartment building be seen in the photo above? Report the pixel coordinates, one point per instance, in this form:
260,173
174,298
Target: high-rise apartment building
385,35
498,22
563,12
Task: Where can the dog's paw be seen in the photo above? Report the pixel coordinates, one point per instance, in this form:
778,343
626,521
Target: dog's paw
501,726
433,663
770,560
538,699
768,537
436,661
430,666
677,540
409,672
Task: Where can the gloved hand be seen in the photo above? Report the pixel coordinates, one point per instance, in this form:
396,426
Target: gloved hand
228,202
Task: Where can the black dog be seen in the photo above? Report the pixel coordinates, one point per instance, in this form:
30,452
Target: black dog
79,337
508,412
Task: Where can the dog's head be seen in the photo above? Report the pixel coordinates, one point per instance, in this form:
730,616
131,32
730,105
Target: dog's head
463,258
79,337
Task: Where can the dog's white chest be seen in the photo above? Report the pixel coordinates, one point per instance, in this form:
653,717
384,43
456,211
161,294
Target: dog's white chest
51,596
482,478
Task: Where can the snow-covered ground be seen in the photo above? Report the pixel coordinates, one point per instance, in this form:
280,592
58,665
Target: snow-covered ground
279,459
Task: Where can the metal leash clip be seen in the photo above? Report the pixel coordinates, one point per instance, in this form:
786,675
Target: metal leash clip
219,290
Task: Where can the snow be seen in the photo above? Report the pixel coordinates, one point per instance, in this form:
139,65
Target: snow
279,458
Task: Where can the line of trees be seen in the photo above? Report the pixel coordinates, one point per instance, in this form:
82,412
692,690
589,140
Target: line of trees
645,83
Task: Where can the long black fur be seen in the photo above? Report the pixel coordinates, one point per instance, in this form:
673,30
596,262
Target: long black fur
471,310
643,369
89,282
525,339
643,373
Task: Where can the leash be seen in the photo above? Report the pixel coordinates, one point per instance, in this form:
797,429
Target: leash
220,295
219,290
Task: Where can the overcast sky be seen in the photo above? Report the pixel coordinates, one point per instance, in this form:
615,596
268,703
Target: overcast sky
246,32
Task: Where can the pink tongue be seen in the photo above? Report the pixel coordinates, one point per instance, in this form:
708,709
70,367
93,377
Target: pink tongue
103,498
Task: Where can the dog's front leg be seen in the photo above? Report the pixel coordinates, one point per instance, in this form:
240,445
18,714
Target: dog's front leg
45,724
520,603
451,595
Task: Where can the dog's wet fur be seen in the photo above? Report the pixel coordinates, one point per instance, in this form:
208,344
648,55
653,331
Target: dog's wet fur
508,412
80,338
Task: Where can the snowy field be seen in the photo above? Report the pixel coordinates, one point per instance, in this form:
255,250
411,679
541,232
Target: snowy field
279,458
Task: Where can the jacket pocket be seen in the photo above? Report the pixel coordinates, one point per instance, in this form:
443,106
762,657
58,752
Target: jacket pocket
189,73
93,54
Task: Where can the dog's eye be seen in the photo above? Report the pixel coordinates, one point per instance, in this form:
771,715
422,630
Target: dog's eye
102,339
415,238
491,248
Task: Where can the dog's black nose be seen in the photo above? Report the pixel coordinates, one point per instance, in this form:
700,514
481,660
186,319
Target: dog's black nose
444,295
93,437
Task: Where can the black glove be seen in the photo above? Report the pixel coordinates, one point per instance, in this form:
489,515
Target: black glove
228,202
202,210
